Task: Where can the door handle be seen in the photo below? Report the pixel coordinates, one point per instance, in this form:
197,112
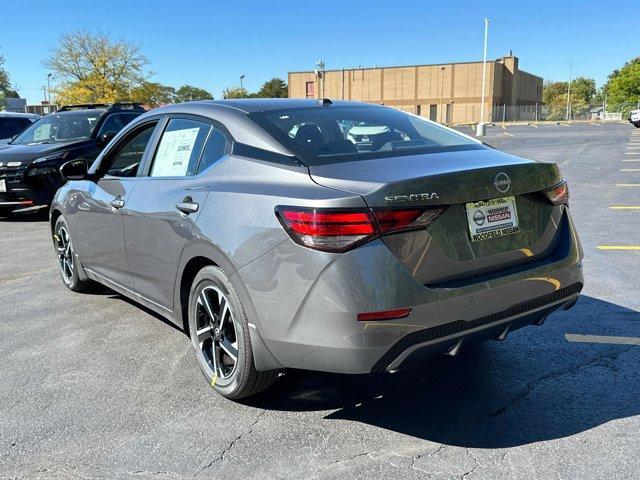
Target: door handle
117,203
187,206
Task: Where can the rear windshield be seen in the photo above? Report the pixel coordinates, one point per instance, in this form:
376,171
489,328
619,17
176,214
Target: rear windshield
331,134
10,126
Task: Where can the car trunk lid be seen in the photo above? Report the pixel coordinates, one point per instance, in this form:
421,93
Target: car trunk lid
444,252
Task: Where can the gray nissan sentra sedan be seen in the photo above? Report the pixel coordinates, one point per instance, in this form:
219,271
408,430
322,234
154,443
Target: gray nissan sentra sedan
333,236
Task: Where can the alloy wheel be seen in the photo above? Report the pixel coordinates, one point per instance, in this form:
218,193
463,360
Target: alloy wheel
216,332
65,253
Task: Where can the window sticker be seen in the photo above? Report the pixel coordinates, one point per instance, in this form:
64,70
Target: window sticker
42,132
174,153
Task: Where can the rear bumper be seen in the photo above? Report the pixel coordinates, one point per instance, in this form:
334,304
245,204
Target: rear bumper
305,305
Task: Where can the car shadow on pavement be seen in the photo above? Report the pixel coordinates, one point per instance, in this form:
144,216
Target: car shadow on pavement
533,387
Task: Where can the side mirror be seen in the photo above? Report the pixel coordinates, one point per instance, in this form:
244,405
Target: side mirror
74,170
105,138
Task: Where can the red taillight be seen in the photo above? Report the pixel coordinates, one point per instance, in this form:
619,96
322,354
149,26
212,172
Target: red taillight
558,194
384,315
338,230
328,230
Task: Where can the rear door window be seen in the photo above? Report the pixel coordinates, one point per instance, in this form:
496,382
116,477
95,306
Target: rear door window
217,146
179,149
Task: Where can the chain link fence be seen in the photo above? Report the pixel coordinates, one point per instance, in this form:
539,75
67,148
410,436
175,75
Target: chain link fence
539,113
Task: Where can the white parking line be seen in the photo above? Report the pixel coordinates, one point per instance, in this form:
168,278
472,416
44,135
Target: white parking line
574,337
630,169
507,133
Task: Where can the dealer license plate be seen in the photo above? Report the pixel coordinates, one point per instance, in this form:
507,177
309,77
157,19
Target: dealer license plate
492,218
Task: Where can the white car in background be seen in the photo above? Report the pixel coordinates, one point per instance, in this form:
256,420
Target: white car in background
634,118
12,123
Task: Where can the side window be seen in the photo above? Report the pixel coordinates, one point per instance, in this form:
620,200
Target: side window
214,150
127,159
128,117
113,123
179,149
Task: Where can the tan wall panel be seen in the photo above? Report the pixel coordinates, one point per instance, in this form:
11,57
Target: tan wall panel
407,87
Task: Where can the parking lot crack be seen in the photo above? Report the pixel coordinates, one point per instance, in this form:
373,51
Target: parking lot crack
605,360
476,465
232,443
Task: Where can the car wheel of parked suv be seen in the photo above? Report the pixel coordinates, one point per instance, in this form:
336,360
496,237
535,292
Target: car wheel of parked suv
219,333
66,257
5,212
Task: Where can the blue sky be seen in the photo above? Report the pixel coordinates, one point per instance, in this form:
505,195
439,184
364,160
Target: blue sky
210,43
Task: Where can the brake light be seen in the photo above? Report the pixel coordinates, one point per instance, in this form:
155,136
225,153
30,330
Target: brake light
558,194
339,230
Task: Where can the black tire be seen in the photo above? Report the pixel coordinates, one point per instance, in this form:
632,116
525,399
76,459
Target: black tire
637,124
215,360
66,258
5,211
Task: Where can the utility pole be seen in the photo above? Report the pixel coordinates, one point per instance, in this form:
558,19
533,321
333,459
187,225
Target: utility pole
241,87
44,91
569,93
480,130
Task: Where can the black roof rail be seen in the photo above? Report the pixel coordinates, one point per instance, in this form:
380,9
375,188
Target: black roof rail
134,106
83,106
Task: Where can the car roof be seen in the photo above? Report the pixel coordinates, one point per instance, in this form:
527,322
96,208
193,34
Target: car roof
19,114
252,105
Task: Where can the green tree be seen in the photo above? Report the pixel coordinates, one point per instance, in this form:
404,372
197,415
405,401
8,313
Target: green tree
623,86
236,92
554,96
94,68
189,93
6,91
274,88
153,94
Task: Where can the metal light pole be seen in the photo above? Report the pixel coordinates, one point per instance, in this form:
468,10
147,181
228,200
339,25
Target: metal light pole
441,92
481,126
241,87
320,74
569,93
49,87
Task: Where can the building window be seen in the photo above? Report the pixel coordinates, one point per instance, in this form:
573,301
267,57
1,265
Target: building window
433,113
311,90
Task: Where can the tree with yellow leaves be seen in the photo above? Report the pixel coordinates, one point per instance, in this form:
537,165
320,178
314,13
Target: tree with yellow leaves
93,68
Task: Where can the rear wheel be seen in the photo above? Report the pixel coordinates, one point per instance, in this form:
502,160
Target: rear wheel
219,333
637,124
67,261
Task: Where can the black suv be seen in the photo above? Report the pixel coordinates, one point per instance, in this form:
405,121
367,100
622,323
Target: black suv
29,164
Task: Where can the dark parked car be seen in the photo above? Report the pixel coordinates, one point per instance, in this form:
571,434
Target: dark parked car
277,240
12,123
29,163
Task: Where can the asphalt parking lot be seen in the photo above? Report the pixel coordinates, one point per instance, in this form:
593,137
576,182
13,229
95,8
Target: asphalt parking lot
93,386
